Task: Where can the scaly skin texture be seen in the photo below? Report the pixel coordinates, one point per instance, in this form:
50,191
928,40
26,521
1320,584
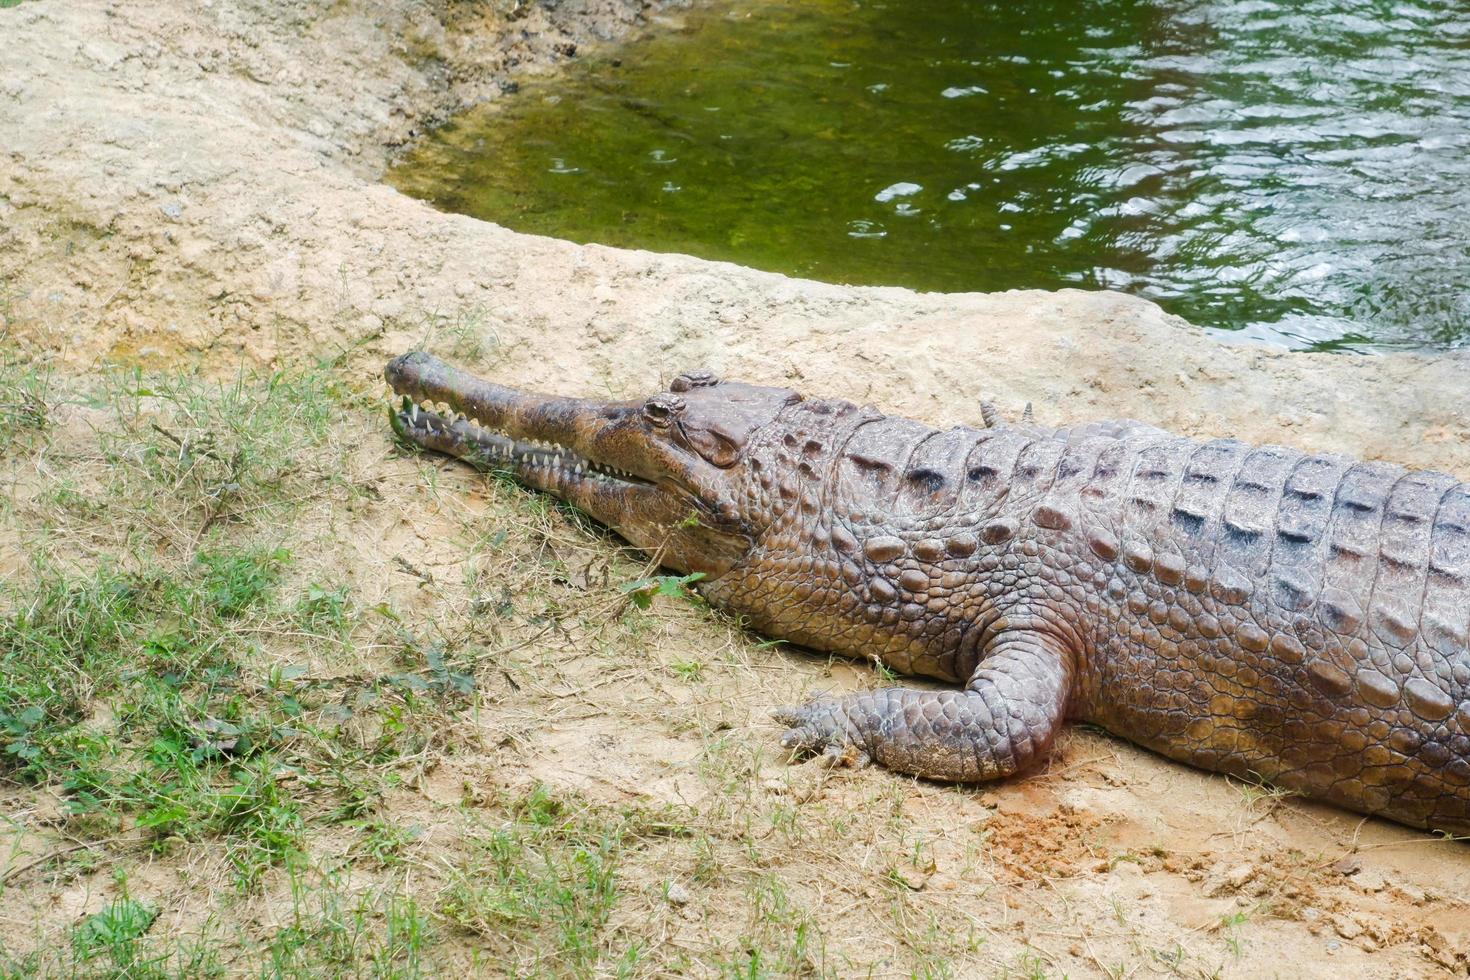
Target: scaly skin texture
1303,619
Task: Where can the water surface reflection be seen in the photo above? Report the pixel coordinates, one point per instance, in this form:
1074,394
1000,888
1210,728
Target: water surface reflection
1295,169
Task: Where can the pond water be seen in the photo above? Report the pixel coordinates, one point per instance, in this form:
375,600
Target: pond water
1298,170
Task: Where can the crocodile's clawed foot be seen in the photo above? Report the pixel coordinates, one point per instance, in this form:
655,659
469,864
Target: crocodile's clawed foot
819,728
845,755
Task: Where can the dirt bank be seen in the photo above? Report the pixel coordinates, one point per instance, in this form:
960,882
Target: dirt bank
195,184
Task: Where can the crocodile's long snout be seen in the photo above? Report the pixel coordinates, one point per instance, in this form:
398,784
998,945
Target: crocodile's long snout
467,416
595,455
657,471
546,440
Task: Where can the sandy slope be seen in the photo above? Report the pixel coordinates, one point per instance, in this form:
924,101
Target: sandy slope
196,183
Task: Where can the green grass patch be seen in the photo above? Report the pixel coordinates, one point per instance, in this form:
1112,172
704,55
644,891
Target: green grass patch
140,653
114,933
335,932
542,885
125,692
25,393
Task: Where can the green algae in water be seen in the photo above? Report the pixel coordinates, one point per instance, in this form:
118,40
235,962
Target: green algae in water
1295,169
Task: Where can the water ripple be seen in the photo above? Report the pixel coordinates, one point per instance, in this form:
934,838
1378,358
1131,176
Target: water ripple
1296,170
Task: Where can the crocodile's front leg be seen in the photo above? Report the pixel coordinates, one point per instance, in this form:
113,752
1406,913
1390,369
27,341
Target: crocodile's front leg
1003,722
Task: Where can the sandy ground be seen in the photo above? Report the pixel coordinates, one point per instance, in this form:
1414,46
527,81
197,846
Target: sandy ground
197,183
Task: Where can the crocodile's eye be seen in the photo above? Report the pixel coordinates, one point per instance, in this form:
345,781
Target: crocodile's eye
661,409
690,380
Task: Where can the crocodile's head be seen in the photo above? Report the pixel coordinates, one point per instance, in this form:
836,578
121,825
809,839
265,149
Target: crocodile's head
671,473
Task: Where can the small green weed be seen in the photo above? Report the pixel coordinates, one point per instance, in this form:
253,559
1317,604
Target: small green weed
384,843
643,591
325,611
467,332
689,670
116,931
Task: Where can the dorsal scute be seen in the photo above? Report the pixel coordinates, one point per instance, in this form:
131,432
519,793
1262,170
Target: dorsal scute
870,470
1350,553
935,472
1199,502
1302,518
1404,543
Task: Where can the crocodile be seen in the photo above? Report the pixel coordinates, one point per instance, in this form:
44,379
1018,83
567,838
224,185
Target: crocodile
1296,618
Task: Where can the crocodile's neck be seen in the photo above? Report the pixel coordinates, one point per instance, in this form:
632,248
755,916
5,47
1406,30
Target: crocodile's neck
891,547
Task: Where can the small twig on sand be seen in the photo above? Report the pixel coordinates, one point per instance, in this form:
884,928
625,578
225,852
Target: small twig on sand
16,872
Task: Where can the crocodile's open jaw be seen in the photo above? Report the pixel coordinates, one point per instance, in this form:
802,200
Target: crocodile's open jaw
542,464
663,472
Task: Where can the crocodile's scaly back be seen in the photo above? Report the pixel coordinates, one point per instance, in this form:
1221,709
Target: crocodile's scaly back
1254,610
1303,619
